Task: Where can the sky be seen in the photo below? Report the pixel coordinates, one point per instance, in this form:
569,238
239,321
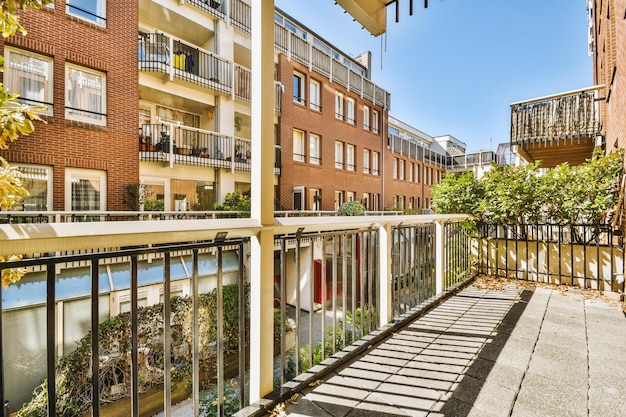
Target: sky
455,67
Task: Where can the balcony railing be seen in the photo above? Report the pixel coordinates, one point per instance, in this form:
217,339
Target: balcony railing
460,162
415,150
161,53
155,316
240,16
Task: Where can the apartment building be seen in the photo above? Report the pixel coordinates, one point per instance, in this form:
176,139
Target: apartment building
80,63
414,162
332,127
607,47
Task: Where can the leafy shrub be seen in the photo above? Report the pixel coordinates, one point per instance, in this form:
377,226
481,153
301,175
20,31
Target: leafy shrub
351,208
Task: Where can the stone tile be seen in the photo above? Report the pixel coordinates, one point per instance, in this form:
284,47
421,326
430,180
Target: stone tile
363,374
403,402
540,396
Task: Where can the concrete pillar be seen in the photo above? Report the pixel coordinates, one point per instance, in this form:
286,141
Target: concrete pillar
439,258
262,245
384,254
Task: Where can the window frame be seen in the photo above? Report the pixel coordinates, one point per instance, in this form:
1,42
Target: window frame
315,95
96,19
339,106
85,174
49,185
339,155
315,152
366,161
9,79
72,112
375,163
350,110
366,117
351,157
300,95
375,121
298,142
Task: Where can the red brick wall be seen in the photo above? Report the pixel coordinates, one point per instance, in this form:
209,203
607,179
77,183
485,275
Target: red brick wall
62,143
324,176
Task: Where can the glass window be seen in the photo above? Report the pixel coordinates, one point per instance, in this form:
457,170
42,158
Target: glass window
38,181
375,121
349,196
339,155
85,95
350,151
314,95
351,116
395,168
366,161
92,10
31,76
401,169
375,163
339,106
411,172
85,189
298,88
315,155
298,146
417,173
338,199
366,118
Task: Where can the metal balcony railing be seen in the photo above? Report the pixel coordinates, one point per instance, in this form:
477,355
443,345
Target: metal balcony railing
240,16
415,150
562,116
482,158
170,308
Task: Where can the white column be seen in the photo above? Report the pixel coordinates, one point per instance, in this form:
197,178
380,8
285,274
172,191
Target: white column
384,254
262,245
439,257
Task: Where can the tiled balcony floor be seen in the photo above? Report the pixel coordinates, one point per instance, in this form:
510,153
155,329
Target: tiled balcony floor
513,352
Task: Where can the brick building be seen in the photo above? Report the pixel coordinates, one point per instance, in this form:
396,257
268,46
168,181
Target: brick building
82,65
607,46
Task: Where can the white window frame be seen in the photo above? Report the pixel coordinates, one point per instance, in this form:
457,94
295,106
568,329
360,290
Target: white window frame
314,95
366,117
24,168
366,161
411,171
401,169
12,79
351,105
339,157
339,106
100,19
351,157
375,163
85,174
315,152
375,121
79,114
299,96
395,168
298,146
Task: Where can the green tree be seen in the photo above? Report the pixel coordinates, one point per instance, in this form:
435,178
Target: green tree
460,193
16,120
351,208
234,201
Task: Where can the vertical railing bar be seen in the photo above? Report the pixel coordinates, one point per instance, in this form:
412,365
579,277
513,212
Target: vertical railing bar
95,339
395,285
324,298
334,295
344,285
312,302
611,264
220,328
167,339
414,259
585,245
1,350
537,249
371,277
365,274
546,239
598,257
195,336
506,249
559,250
242,327
297,306
134,326
283,310
571,250
50,336
356,237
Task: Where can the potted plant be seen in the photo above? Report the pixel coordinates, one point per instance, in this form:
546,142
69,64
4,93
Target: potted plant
204,152
164,142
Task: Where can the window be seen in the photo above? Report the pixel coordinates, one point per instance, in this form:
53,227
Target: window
411,171
315,154
31,76
298,146
375,199
375,162
338,199
314,95
298,88
350,150
366,161
401,169
349,196
366,118
417,173
85,97
339,155
37,180
351,116
85,189
395,168
365,200
339,106
375,121
91,10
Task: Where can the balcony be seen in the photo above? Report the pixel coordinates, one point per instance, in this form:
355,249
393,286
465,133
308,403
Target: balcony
555,129
415,150
173,144
471,161
351,275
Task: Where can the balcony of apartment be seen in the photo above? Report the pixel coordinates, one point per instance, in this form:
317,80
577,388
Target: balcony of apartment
319,58
471,161
415,150
118,295
172,144
559,128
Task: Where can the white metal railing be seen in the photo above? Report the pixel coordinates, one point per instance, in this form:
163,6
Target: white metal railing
386,239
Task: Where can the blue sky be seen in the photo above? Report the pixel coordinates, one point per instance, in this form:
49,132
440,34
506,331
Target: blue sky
455,67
